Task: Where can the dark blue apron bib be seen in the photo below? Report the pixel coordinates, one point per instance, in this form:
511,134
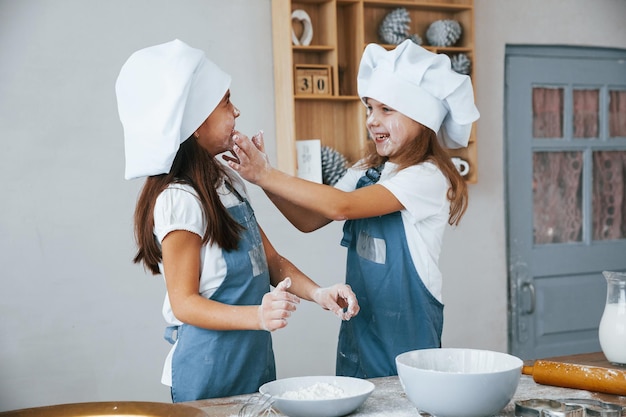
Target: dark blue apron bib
210,363
398,313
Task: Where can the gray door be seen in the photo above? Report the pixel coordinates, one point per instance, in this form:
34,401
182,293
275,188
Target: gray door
565,167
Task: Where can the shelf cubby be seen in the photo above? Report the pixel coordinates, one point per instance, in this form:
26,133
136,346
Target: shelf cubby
341,30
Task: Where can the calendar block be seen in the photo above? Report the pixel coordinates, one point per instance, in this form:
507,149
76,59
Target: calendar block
313,79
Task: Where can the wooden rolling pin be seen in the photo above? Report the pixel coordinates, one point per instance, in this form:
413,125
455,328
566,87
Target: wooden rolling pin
588,377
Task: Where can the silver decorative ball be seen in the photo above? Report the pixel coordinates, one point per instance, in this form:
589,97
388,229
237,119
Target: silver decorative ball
395,26
444,32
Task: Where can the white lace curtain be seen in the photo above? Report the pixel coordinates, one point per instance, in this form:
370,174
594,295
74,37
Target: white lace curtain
557,185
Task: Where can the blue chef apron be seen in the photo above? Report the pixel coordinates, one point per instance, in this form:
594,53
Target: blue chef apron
211,363
398,313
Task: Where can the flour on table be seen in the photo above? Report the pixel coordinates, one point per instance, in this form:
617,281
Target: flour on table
318,391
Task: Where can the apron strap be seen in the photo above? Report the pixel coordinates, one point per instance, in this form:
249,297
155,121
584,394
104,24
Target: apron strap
171,334
372,175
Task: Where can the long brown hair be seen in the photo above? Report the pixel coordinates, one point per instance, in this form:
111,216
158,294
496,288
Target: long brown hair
195,166
426,147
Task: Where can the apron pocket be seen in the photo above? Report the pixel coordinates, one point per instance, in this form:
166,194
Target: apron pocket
371,248
257,259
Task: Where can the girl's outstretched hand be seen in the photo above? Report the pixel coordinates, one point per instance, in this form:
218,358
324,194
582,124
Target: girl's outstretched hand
339,299
277,306
251,162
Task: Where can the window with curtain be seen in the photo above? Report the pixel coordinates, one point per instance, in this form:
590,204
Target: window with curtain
558,175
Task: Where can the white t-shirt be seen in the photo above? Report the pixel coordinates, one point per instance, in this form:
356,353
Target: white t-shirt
178,208
422,190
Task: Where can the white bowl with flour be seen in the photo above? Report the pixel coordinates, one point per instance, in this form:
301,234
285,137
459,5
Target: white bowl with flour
318,396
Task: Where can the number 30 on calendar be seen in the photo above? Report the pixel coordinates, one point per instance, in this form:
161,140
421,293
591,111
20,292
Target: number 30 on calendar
313,79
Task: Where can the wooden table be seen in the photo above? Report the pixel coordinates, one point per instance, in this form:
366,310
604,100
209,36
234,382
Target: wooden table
389,400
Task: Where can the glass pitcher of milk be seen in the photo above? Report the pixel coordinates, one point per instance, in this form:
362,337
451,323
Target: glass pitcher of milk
612,331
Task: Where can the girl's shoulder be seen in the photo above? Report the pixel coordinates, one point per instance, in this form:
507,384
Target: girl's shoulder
422,189
427,170
178,190
177,197
180,186
178,208
421,179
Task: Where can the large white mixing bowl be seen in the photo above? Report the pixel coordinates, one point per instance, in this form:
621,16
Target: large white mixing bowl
452,382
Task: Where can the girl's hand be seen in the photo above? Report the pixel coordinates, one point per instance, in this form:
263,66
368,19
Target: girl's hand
259,141
251,162
339,299
277,306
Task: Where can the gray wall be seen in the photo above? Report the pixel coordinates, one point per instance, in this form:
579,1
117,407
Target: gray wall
80,322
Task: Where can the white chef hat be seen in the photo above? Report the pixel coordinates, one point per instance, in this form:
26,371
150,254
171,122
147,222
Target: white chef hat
164,93
421,85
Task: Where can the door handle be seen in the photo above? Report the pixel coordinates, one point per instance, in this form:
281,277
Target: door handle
528,287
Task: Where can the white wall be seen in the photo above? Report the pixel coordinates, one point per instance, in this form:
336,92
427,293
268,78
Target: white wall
79,321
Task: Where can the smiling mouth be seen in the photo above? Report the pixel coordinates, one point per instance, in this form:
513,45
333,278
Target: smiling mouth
381,137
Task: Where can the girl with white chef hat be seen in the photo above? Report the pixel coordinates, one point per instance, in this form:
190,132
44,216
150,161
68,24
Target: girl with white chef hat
396,202
194,225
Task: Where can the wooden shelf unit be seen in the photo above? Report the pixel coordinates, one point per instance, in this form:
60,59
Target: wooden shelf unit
341,30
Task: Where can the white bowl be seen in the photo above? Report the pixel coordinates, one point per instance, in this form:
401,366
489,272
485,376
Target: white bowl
451,382
354,392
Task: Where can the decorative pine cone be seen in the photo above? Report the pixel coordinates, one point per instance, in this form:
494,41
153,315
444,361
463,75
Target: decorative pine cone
334,165
395,26
444,32
416,39
461,63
